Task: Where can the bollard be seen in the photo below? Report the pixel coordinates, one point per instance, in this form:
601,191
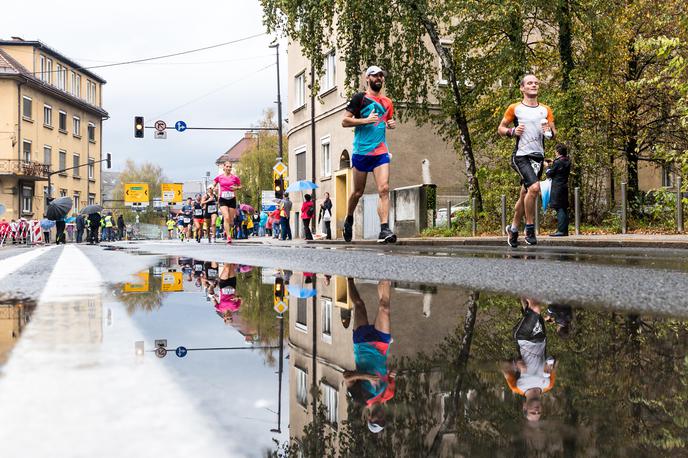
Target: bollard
504,214
679,205
576,204
623,208
449,214
537,215
475,217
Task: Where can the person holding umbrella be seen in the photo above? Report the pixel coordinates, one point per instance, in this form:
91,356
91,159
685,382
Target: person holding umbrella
46,225
56,211
307,214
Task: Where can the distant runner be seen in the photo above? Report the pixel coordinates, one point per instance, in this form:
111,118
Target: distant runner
209,203
198,218
532,123
370,114
187,214
227,183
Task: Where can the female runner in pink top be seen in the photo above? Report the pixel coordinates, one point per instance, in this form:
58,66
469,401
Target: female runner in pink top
227,183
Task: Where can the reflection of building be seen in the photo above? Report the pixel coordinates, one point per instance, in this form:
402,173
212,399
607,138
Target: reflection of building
321,346
50,119
13,318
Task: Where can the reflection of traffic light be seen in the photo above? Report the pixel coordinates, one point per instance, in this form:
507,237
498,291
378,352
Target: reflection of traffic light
279,290
108,160
138,127
279,188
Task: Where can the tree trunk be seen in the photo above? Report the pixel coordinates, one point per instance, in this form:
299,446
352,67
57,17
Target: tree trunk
565,40
459,113
630,148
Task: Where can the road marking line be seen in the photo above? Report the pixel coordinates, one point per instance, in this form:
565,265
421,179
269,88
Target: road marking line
73,276
13,263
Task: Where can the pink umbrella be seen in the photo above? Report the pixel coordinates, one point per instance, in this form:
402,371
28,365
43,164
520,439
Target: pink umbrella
245,207
244,269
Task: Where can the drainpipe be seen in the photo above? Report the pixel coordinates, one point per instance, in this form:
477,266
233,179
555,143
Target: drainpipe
19,143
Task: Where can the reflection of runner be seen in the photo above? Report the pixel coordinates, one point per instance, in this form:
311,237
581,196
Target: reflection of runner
227,302
531,374
371,383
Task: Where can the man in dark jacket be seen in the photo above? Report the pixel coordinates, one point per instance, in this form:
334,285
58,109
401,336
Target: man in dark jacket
94,223
559,171
80,226
120,227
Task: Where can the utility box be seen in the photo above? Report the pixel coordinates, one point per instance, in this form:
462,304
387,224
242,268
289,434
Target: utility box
414,208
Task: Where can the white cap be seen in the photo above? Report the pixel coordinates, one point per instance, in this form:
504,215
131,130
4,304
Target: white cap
374,70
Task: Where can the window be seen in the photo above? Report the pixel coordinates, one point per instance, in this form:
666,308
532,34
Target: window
91,132
300,90
91,199
330,401
47,115
62,121
77,126
48,71
62,160
75,164
28,108
27,199
47,155
91,92
325,157
302,314
61,77
26,150
75,207
42,68
330,72
76,84
63,193
443,77
301,164
301,386
91,168
327,320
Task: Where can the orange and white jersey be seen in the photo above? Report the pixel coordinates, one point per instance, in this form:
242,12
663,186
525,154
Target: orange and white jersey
532,141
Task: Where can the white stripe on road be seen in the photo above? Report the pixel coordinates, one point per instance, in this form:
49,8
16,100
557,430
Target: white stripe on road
13,263
73,268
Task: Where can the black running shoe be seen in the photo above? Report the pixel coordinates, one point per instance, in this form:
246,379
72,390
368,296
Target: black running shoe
386,236
530,237
348,231
511,237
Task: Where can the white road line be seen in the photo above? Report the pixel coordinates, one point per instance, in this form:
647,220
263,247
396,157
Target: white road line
72,268
9,265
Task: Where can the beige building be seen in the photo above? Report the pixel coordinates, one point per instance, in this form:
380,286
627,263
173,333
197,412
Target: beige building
408,143
50,119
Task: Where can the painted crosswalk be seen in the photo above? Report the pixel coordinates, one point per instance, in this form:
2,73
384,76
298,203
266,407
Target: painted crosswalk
14,263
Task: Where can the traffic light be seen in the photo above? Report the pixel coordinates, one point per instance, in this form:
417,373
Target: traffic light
279,187
108,160
279,290
138,126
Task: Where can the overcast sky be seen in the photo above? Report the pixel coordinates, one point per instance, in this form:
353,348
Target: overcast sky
229,86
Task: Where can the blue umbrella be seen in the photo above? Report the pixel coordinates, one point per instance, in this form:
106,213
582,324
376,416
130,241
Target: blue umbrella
302,293
46,224
71,219
301,185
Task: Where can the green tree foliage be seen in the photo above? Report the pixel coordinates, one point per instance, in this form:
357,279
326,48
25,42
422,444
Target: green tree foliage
255,166
151,174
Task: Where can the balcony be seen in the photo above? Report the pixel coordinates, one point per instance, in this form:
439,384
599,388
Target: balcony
24,169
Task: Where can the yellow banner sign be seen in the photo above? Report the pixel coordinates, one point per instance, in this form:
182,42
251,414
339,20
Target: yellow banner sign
171,192
138,287
136,193
172,282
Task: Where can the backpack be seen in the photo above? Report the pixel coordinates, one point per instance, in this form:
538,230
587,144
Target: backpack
310,211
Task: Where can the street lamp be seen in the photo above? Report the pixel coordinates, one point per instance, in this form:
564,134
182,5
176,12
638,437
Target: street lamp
275,44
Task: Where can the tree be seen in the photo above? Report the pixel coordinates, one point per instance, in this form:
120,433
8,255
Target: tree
148,173
255,166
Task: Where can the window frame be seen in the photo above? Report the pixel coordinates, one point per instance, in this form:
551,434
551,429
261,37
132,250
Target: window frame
76,162
326,165
91,198
60,165
75,201
26,195
300,90
326,325
329,78
297,152
301,326
48,149
91,128
47,116
24,143
91,168
301,386
330,395
60,117
26,98
76,126
48,70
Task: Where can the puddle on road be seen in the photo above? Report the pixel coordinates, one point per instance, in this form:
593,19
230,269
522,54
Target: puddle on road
14,316
374,368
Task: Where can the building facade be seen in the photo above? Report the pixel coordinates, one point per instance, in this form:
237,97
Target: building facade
329,165
51,119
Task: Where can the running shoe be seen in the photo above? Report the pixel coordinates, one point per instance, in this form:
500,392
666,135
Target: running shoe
530,237
386,236
348,232
511,237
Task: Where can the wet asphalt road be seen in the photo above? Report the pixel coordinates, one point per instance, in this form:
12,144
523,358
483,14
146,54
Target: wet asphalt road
642,280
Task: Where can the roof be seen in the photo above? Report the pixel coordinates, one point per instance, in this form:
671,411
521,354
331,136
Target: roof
10,67
240,148
48,50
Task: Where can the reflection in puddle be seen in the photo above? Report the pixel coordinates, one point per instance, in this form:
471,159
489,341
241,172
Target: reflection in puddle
14,316
377,368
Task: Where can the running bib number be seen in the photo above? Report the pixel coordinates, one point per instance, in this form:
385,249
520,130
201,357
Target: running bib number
198,212
212,208
198,267
212,273
228,290
187,220
536,166
227,194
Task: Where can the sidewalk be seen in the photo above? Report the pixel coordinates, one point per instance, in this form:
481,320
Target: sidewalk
587,241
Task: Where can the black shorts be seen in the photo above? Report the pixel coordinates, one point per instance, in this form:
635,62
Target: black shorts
225,283
529,168
231,203
185,223
531,327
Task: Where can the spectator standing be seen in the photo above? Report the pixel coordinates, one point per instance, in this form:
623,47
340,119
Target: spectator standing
276,224
325,215
45,227
307,214
285,229
80,226
559,171
262,223
121,227
93,226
